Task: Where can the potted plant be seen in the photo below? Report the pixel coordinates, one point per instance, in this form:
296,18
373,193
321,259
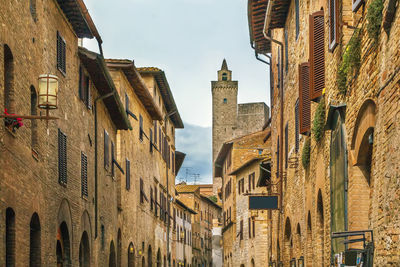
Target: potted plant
12,123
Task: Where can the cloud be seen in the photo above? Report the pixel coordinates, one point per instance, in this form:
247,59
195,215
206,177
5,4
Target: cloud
195,142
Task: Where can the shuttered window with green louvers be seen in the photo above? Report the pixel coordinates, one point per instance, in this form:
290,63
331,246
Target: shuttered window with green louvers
84,175
62,157
317,55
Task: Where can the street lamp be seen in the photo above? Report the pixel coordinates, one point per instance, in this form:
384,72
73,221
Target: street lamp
280,264
293,262
272,264
300,261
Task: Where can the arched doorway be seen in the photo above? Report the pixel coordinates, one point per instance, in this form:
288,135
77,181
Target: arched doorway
63,248
149,257
299,249
119,248
112,261
131,255
35,242
84,251
288,244
338,173
309,256
252,263
143,262
10,237
158,258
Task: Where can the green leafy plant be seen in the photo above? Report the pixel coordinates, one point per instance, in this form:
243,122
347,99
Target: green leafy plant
319,121
305,155
351,61
213,199
374,17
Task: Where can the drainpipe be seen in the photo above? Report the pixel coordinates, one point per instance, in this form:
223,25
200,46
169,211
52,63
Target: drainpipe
95,161
281,125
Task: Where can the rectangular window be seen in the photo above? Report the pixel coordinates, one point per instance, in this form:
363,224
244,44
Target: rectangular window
62,157
151,198
297,18
317,55
84,181
140,127
106,150
61,54
296,126
304,98
277,157
128,174
155,132
143,196
286,51
286,145
173,161
333,24
249,227
155,201
249,182
241,230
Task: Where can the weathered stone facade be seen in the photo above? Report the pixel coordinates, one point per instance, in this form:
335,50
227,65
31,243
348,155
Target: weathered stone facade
230,119
350,181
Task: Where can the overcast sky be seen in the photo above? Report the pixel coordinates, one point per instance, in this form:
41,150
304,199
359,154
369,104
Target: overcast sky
188,39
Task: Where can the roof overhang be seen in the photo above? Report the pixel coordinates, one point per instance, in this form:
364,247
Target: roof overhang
138,85
179,158
166,94
256,12
277,11
246,164
219,161
98,72
80,19
180,203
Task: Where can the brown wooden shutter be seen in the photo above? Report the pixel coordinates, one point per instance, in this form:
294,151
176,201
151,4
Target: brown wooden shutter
151,141
317,55
140,127
333,24
249,227
62,157
128,174
106,150
84,182
254,228
304,98
141,191
296,126
241,230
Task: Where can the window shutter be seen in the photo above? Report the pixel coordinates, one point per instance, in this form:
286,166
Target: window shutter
155,202
112,159
279,69
317,55
151,198
241,230
249,227
128,174
297,18
126,102
81,95
88,93
249,183
286,51
254,228
84,181
151,141
357,4
286,144
62,157
296,126
140,127
106,150
173,161
155,132
277,157
304,98
141,191
61,50
333,24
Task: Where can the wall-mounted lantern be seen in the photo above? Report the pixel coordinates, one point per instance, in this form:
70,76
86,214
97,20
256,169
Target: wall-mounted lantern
293,262
300,261
272,264
280,264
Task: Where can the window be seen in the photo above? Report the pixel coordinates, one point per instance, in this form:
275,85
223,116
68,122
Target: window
286,145
106,150
249,227
304,98
10,237
333,24
317,55
151,198
297,18
225,101
155,132
61,54
296,126
151,141
84,181
32,9
8,80
241,230
128,174
286,51
140,127
277,157
84,88
173,161
34,136
62,157
35,242
143,196
224,76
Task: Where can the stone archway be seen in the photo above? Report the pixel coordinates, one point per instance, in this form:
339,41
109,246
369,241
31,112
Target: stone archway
35,241
84,250
309,256
112,261
288,243
131,255
319,233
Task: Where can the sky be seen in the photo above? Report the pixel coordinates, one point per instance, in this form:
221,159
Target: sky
188,39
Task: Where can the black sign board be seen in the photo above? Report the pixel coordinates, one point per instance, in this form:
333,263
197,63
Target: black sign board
263,202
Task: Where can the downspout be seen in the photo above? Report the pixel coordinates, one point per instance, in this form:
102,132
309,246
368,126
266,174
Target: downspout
281,126
95,161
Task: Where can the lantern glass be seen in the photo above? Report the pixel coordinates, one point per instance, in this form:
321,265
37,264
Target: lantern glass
293,263
301,261
48,89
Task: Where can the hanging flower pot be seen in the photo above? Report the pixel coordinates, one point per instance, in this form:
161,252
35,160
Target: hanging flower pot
12,123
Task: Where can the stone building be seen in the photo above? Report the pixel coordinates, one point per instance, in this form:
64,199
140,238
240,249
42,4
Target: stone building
335,93
233,155
231,119
202,222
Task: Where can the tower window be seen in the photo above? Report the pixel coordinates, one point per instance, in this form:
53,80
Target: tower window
225,100
224,76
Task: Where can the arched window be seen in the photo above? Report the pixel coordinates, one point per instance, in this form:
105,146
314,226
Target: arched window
35,243
149,257
63,246
8,79
224,76
84,251
320,230
34,136
158,258
10,237
112,259
143,262
119,248
131,255
225,101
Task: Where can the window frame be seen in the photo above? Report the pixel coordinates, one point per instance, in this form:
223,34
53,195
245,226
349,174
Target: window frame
333,24
61,54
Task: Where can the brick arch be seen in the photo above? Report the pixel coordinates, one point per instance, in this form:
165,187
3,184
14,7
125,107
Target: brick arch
9,100
288,243
64,216
299,248
35,241
363,127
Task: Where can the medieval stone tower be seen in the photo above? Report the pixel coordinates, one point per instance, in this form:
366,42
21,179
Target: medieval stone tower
231,119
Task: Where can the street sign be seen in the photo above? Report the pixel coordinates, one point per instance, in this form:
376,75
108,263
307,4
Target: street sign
263,202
